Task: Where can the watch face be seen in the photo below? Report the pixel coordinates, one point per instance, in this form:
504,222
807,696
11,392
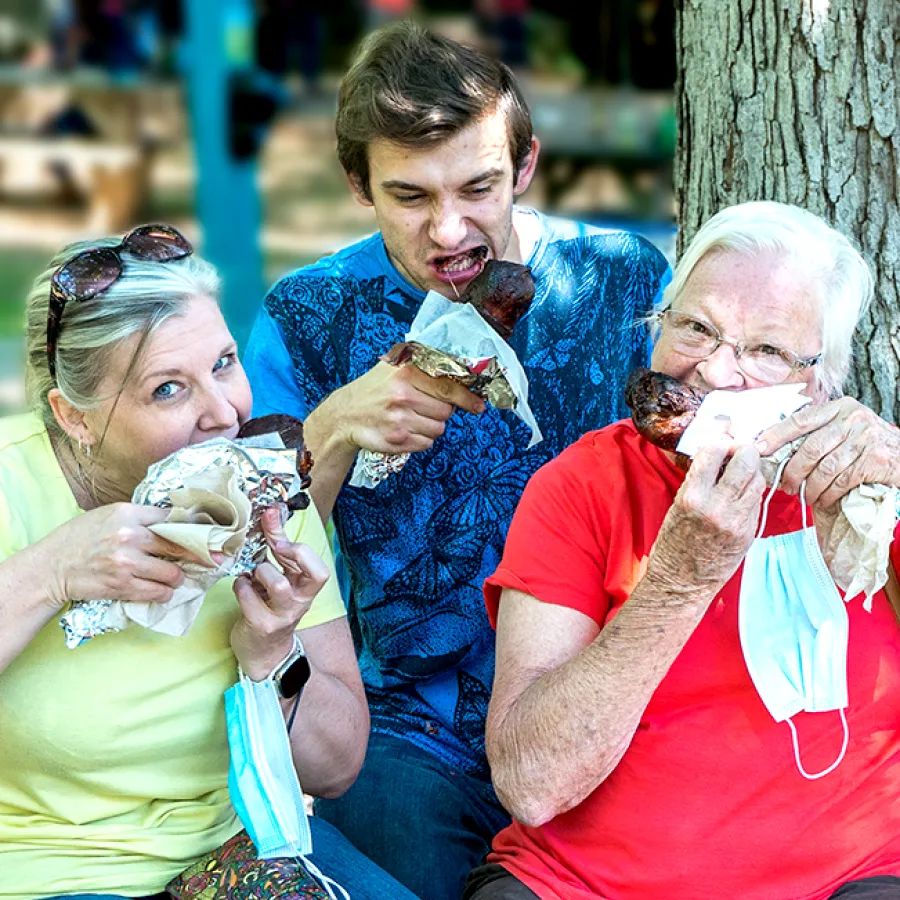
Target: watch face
294,677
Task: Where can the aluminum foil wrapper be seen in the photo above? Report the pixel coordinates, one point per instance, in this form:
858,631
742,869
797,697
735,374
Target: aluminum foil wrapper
266,473
484,377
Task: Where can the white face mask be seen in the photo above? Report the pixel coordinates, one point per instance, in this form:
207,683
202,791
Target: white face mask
794,628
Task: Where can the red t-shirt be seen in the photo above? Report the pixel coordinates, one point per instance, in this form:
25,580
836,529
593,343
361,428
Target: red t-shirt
707,803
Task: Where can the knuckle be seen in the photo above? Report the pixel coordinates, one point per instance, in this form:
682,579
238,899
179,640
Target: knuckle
121,561
846,480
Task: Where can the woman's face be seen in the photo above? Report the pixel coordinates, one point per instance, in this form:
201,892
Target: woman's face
187,387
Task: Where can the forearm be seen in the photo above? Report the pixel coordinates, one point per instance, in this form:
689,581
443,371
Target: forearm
28,599
329,734
332,454
569,729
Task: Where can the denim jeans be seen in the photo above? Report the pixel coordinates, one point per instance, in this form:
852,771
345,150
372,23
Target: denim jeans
338,859
426,824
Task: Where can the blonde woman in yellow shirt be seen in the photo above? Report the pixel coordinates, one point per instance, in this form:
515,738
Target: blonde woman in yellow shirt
113,756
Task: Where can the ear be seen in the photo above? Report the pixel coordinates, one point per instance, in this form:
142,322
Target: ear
70,419
529,167
359,192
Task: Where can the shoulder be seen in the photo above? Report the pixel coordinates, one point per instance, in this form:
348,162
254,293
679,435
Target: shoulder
593,460
565,240
315,284
34,494
24,445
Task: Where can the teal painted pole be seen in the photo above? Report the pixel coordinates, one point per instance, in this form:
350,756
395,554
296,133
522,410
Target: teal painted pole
220,42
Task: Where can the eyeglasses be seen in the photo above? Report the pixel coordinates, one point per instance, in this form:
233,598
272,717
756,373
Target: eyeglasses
764,362
92,272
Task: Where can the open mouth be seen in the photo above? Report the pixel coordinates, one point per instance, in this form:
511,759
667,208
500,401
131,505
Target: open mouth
461,266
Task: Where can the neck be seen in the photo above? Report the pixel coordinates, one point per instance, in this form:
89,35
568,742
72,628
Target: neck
522,238
84,476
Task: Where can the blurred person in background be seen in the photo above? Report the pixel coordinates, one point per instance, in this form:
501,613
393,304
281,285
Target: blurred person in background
436,138
290,37
114,775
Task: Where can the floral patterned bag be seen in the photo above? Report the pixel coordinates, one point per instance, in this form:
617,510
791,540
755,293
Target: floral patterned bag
233,872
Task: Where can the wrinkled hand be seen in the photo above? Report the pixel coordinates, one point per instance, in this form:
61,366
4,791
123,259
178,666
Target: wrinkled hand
845,445
398,409
273,602
110,553
711,523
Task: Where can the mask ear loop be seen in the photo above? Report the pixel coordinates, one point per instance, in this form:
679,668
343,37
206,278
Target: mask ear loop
794,738
765,510
813,776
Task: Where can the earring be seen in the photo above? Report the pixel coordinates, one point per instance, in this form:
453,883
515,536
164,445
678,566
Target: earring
84,447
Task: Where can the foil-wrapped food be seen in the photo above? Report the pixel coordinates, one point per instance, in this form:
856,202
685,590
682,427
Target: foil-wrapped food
855,536
501,294
216,492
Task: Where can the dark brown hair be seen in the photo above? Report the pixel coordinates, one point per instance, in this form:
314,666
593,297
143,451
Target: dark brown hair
416,88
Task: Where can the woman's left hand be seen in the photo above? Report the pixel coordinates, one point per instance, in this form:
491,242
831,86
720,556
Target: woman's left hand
845,445
273,602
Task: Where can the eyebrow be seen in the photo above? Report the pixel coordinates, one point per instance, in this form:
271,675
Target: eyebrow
168,373
397,184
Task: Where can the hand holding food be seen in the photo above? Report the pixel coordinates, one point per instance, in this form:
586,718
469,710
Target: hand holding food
468,349
214,495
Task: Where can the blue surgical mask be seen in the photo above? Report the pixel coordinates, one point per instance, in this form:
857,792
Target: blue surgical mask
262,779
794,628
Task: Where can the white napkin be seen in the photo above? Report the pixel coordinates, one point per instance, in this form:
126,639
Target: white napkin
458,329
209,514
742,414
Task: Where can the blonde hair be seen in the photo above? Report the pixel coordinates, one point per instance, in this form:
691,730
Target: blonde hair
145,295
843,279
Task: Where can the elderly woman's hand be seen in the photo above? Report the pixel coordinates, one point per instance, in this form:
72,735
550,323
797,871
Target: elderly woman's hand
845,444
711,523
110,553
273,602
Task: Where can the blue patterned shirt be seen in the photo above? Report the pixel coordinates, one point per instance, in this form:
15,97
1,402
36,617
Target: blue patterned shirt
419,546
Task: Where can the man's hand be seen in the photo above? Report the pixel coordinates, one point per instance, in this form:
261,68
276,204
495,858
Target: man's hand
397,409
712,522
845,444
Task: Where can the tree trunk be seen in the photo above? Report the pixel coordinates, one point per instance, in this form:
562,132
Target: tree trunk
796,101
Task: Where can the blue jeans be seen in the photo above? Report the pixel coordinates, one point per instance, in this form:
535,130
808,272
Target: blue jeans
339,860
426,824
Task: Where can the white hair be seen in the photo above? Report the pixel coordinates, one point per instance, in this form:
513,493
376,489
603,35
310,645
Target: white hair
822,254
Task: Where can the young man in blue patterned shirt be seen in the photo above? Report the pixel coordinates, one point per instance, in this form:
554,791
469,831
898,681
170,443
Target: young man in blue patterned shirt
437,139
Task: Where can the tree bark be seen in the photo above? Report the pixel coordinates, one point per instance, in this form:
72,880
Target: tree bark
797,101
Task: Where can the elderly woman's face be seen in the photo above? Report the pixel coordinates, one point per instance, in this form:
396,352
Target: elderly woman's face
187,387
750,300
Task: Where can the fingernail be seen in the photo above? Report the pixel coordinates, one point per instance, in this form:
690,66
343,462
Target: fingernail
761,446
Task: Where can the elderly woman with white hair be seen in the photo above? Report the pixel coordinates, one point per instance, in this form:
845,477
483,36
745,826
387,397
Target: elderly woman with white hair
113,755
685,706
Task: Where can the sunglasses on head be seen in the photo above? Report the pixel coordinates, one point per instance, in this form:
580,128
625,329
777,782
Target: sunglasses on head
92,272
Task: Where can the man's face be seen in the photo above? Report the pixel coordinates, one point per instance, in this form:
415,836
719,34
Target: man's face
752,300
444,210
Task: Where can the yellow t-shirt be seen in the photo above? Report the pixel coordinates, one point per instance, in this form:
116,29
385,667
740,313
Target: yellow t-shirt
113,756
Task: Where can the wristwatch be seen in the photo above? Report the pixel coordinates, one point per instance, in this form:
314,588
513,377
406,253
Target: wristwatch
292,673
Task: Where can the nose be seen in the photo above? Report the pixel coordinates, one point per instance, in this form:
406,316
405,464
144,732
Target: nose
447,228
720,369
218,412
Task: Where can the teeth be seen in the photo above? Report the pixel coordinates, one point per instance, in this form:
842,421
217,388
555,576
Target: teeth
459,263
